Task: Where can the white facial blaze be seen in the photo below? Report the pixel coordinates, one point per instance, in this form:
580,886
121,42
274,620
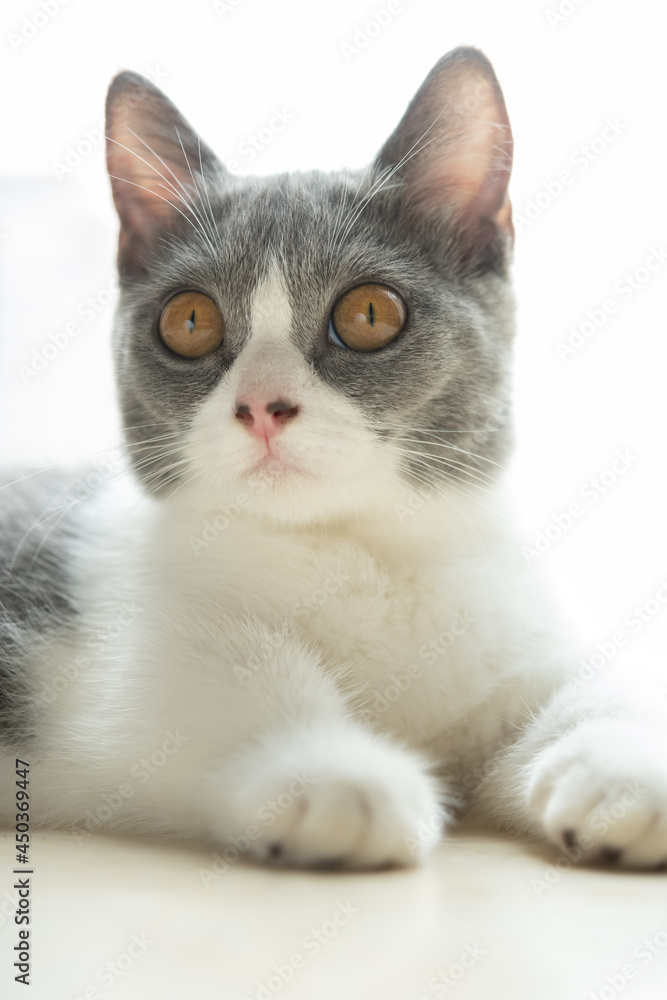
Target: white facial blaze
270,365
270,311
327,452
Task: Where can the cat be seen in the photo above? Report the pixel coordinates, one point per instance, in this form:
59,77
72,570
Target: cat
309,636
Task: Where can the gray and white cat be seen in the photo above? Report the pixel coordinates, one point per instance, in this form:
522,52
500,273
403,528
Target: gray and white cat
309,638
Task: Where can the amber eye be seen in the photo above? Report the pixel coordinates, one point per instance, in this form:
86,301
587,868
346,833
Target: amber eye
191,325
368,317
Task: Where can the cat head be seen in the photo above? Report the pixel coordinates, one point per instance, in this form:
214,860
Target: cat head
316,341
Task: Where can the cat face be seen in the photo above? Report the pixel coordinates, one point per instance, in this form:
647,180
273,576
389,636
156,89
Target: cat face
313,340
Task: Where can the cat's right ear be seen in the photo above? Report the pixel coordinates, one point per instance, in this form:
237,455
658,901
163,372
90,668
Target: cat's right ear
158,168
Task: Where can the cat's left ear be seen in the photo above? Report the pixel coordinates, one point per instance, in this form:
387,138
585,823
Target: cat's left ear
157,164
452,150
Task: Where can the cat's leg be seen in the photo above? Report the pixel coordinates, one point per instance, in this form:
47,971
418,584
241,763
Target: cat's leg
305,783
590,774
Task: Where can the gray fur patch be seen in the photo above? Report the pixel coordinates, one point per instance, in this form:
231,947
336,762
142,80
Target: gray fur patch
36,534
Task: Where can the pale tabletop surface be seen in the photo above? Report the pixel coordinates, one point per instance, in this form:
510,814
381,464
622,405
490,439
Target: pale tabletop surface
486,918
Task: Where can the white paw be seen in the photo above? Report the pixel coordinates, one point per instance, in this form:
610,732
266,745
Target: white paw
347,801
601,792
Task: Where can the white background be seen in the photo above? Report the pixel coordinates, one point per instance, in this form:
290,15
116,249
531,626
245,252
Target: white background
563,76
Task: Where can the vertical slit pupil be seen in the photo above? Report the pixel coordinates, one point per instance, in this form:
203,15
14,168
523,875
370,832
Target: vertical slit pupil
371,313
191,322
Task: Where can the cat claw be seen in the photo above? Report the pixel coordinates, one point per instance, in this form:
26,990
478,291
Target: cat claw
603,799
350,813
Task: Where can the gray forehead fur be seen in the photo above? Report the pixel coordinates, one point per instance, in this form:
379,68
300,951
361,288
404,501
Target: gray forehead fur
446,373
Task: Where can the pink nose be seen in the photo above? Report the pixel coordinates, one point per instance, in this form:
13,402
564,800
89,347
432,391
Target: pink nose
265,420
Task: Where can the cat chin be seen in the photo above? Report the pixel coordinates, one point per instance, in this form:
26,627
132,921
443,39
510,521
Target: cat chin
290,497
307,502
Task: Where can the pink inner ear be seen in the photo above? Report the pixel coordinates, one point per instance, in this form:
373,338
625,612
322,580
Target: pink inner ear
156,162
150,175
471,175
467,165
145,201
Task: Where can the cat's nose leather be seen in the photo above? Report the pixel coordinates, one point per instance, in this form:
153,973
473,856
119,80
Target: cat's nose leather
265,420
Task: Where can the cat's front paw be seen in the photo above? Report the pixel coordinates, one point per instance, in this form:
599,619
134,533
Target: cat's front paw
601,792
345,801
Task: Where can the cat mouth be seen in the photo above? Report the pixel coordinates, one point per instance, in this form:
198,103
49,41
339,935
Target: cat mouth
276,467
